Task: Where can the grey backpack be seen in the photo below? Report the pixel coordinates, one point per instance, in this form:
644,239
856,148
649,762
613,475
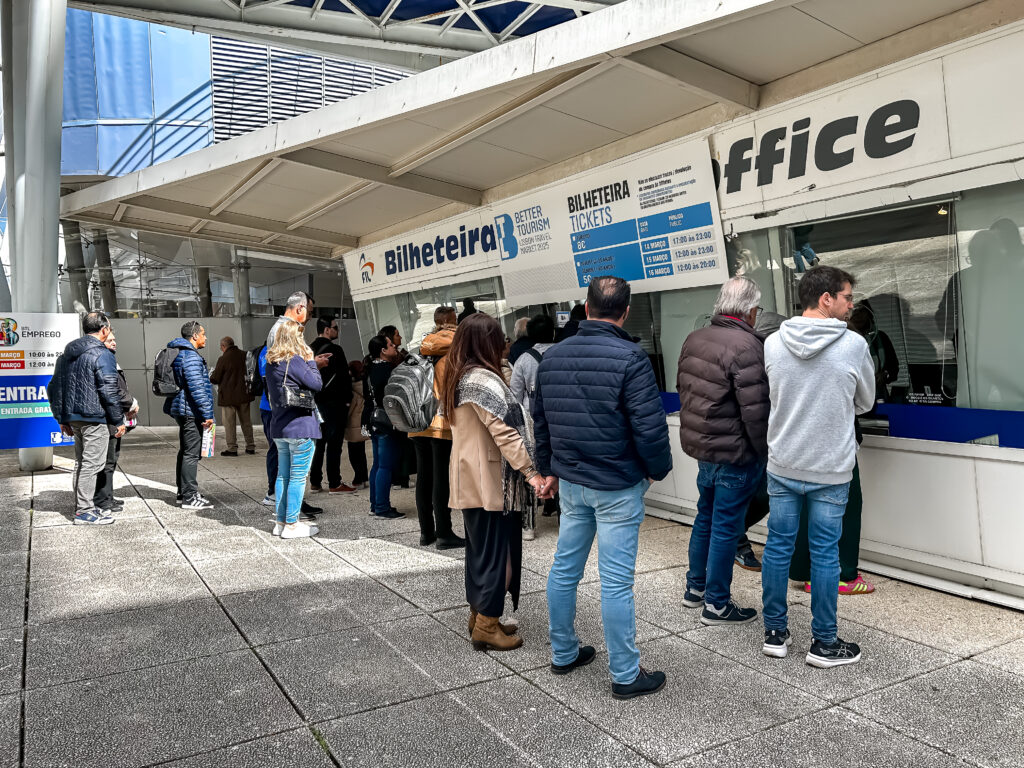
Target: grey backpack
409,395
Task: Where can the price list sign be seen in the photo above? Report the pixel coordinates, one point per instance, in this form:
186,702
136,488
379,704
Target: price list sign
30,344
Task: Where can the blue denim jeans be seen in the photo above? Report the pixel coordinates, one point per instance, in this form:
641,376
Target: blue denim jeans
385,455
294,455
825,507
615,517
725,493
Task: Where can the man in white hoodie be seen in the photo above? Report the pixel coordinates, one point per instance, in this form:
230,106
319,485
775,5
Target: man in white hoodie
821,376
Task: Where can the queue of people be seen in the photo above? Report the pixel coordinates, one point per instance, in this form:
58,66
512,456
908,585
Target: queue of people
767,415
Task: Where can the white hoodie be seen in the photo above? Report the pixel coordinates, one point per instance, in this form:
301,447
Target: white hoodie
821,376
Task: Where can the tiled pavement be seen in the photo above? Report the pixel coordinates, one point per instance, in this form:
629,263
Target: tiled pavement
184,639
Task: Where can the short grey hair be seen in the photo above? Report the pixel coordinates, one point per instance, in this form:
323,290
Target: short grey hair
520,327
738,296
297,300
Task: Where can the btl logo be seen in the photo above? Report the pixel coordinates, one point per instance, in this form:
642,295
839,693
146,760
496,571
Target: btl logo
366,269
506,236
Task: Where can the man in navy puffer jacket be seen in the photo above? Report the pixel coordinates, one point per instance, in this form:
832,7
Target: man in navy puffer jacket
601,431
85,400
192,408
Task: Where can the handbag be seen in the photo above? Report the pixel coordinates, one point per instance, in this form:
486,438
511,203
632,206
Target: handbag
296,397
378,418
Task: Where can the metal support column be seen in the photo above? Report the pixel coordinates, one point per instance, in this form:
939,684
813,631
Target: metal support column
74,260
105,274
205,293
33,75
243,305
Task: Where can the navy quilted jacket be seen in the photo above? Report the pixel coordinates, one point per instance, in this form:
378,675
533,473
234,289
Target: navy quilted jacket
85,386
598,418
195,400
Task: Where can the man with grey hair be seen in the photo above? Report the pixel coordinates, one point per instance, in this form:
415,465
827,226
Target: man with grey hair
298,308
723,423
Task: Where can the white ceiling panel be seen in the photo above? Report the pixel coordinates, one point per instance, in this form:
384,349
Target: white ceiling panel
391,141
871,20
550,134
453,117
767,47
375,210
480,165
626,101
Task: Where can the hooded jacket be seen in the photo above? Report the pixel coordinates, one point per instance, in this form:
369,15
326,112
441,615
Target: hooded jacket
86,387
195,400
723,394
821,376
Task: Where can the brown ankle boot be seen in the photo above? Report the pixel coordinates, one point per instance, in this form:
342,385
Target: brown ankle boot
508,629
488,633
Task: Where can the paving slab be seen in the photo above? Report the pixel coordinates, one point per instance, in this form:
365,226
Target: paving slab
349,524
93,646
946,622
14,531
12,654
13,567
292,749
505,723
154,715
291,562
532,618
826,739
12,606
886,659
1008,657
708,700
286,613
10,730
971,710
376,666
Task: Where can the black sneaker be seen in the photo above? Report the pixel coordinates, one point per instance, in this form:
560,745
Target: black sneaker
776,643
426,541
645,683
309,509
730,614
250,451
835,655
308,516
450,542
586,655
746,559
196,502
229,453
692,598
391,514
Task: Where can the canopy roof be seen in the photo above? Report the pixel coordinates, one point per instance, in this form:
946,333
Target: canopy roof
456,136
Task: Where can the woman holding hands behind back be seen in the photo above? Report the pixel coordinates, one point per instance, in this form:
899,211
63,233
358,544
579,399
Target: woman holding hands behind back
492,474
294,427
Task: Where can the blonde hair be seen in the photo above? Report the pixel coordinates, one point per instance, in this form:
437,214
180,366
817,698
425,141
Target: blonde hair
289,341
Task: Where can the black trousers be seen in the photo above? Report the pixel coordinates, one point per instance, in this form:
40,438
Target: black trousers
849,541
104,495
271,453
357,458
330,444
190,443
433,455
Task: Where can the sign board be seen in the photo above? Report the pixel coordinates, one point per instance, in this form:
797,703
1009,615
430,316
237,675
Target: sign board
29,347
650,218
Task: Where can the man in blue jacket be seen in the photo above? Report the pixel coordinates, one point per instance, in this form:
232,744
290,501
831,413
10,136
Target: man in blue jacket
601,431
85,400
192,408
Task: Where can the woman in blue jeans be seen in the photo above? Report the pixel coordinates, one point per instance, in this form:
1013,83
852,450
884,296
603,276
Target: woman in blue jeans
294,430
383,359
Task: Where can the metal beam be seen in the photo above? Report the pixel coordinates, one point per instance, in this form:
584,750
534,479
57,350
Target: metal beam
119,213
508,111
508,31
694,76
360,169
245,185
387,12
263,226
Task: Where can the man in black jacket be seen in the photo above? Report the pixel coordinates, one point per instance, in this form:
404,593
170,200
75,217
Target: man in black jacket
723,423
104,497
332,401
88,406
601,431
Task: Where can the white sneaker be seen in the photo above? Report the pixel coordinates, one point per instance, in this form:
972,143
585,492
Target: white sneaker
529,534
278,527
270,500
299,530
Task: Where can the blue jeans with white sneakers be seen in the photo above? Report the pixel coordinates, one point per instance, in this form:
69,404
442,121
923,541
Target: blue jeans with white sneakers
294,457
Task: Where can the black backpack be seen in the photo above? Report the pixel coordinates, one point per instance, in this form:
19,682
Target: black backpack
164,383
253,381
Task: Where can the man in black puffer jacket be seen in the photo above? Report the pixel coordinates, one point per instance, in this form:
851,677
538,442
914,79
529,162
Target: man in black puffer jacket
601,431
192,408
723,423
85,400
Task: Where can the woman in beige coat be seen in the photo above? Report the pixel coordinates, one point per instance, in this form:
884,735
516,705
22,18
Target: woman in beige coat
491,474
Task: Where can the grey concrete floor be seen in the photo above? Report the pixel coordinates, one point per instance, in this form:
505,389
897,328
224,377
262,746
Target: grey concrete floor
198,639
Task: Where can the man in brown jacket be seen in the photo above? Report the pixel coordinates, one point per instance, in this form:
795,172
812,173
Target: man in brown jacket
723,423
232,396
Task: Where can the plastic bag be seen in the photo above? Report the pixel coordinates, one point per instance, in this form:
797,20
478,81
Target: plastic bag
209,438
